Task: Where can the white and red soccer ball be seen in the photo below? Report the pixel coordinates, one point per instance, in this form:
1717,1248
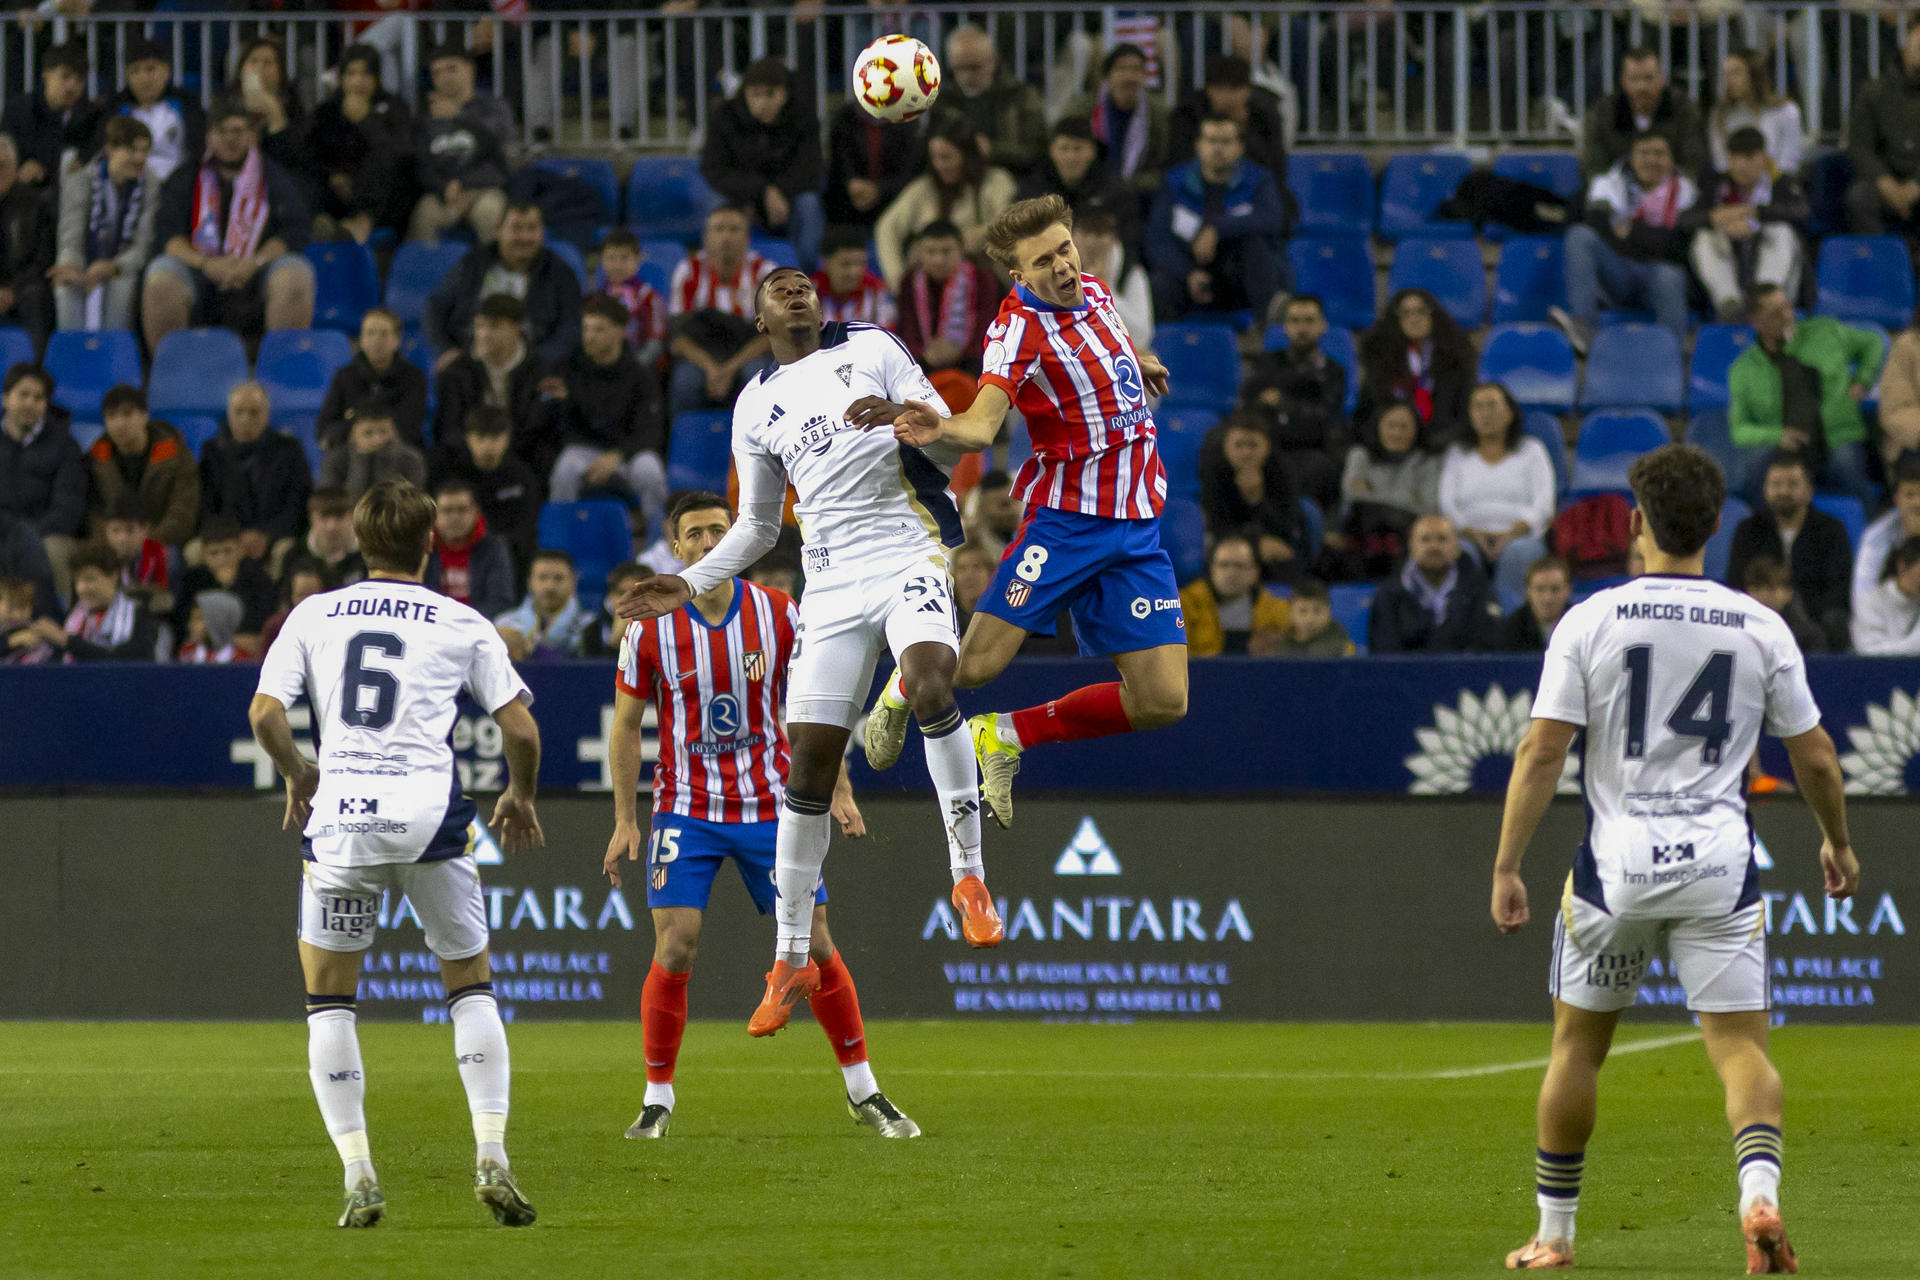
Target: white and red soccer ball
896,78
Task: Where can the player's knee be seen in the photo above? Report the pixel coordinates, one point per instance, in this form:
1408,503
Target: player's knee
674,950
975,669
1158,708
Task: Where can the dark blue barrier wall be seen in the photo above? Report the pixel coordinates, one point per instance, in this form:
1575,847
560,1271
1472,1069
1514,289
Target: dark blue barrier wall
1421,725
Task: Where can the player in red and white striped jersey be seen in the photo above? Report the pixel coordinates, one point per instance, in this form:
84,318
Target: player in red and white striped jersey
1093,489
723,276
716,670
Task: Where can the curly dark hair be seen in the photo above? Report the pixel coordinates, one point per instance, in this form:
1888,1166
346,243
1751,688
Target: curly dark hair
1383,348
1680,490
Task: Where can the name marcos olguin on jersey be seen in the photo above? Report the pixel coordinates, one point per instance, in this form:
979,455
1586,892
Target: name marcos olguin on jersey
384,607
1644,612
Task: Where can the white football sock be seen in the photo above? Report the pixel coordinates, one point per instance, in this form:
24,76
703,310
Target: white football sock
1759,1180
658,1095
860,1082
799,851
895,692
1556,1218
480,1042
956,780
1004,730
339,1086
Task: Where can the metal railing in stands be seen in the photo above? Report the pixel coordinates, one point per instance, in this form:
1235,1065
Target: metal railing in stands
1382,74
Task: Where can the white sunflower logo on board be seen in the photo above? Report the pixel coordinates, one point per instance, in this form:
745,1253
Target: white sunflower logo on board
1473,741
1883,748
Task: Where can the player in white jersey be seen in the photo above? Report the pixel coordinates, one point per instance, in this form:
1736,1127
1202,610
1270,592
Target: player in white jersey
878,523
384,663
1672,677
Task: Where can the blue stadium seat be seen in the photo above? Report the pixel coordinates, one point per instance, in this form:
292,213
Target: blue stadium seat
596,533
1315,521
296,366
193,370
16,347
1410,188
1335,193
85,365
1203,363
346,283
1545,428
779,252
1634,364
699,450
1866,278
1181,432
569,253
1335,342
1351,604
1557,171
1183,536
1531,277
659,259
415,273
1532,361
1715,348
198,428
1708,430
667,197
1720,545
599,173
1610,440
1450,270
1847,510
1340,273
1827,177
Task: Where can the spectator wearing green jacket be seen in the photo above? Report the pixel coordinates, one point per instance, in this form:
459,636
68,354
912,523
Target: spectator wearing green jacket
1799,387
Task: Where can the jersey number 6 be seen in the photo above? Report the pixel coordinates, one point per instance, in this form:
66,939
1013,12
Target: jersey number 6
360,679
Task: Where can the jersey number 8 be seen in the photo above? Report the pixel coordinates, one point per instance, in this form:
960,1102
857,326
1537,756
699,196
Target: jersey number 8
1032,561
359,679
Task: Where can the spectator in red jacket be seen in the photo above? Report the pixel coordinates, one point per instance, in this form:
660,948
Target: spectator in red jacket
947,301
468,563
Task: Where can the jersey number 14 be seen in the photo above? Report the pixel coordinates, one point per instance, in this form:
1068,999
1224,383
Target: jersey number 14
1700,713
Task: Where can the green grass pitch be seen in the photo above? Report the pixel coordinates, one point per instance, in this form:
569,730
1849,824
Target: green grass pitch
1051,1151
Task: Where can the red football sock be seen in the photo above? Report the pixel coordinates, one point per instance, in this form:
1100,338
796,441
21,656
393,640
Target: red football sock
836,1007
663,1021
1092,712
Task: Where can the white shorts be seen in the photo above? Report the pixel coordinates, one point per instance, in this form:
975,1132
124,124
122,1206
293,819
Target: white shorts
340,906
844,621
1600,959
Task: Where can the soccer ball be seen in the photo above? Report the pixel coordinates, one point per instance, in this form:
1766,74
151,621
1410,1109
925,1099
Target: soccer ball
896,79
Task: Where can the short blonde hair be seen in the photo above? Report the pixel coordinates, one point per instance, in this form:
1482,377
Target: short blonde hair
1022,219
392,522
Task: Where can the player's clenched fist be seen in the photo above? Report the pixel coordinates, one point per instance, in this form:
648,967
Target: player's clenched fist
652,598
915,422
1509,902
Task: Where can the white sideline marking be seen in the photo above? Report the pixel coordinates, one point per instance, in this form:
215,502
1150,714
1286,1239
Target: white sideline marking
1450,1073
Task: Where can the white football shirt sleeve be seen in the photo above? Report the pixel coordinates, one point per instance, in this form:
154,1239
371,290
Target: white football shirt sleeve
1563,677
1791,710
283,672
763,496
491,678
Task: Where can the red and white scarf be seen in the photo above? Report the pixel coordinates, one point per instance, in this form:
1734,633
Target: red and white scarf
109,627
246,212
956,305
1659,207
1759,195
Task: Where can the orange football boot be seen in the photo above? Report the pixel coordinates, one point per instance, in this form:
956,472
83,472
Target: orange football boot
979,921
1555,1255
1768,1252
786,987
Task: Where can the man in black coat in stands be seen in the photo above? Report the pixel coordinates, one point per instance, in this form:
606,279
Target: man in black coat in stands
1229,91
377,374
868,164
763,153
509,493
501,370
254,476
1813,544
520,265
609,416
1440,602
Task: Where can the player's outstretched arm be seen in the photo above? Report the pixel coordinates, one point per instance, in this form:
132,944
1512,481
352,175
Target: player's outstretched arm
1816,768
623,750
515,824
270,729
1536,777
652,597
920,424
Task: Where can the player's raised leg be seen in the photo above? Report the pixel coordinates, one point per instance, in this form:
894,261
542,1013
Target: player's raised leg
800,850
836,1007
333,1054
1737,1045
1569,1098
663,1014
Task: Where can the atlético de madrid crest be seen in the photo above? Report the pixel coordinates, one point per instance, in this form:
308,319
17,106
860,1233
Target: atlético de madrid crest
755,664
846,374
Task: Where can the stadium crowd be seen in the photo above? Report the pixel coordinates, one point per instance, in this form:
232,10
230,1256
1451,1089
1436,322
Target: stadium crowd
1395,489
